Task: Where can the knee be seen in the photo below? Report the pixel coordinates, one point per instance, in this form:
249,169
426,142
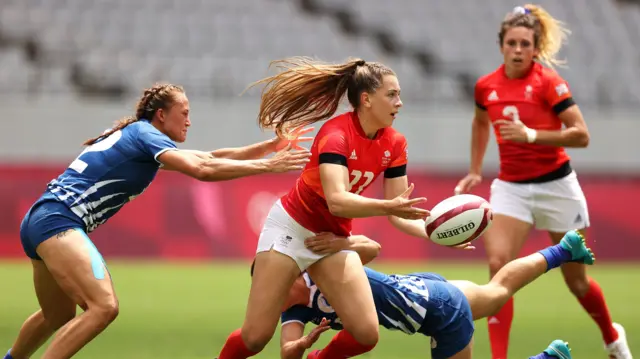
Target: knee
106,310
579,286
255,339
366,335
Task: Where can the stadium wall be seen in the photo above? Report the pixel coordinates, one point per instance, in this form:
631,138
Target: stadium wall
180,218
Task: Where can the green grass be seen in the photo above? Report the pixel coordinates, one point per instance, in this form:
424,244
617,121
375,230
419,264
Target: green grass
187,311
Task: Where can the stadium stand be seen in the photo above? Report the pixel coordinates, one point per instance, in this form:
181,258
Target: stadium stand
217,47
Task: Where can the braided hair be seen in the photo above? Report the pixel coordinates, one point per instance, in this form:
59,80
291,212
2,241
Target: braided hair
153,99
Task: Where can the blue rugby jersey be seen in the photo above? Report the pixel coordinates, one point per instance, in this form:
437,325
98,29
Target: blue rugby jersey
111,172
401,302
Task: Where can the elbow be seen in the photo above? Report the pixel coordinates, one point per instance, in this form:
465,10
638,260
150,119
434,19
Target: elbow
200,173
204,172
584,139
335,207
375,249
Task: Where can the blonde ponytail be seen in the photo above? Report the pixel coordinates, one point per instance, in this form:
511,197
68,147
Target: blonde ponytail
553,34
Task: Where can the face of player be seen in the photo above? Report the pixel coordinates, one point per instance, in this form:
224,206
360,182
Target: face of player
518,49
384,104
175,119
299,294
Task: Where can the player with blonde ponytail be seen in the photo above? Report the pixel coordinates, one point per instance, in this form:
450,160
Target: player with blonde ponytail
534,117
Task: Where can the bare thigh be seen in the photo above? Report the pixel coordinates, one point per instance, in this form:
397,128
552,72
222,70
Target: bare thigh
504,240
57,307
79,270
477,297
273,276
343,281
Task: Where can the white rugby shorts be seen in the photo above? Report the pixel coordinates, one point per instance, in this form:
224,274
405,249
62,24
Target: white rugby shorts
282,233
555,206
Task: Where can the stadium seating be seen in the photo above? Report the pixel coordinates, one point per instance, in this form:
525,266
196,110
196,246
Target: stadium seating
217,47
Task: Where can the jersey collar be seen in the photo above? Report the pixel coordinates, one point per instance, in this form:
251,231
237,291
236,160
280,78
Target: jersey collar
533,69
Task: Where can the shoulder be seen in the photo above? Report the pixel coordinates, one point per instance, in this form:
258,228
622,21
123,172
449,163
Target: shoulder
548,76
297,313
487,79
144,127
339,123
396,138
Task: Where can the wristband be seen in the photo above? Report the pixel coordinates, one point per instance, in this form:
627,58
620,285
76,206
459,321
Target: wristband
531,134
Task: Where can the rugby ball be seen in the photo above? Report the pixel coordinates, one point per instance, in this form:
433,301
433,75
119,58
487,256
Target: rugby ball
459,219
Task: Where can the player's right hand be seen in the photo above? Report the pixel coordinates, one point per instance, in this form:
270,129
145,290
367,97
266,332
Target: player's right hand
403,207
467,183
315,333
287,160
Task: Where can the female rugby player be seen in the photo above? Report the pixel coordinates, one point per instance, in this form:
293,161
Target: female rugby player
424,303
534,116
348,154
116,167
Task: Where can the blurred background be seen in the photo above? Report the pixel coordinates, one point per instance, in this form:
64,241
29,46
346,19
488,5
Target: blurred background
179,253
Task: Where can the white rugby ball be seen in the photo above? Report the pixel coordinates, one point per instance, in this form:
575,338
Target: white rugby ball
459,219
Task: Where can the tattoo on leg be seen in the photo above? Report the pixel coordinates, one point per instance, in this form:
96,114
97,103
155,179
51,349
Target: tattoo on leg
63,233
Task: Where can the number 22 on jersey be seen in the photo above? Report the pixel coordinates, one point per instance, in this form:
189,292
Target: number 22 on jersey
357,176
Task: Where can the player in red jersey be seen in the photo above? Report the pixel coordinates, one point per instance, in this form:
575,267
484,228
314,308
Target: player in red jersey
529,105
348,154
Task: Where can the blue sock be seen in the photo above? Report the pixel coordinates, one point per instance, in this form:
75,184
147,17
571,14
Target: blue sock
543,355
8,356
555,256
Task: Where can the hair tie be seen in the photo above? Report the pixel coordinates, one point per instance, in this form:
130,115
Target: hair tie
360,63
521,10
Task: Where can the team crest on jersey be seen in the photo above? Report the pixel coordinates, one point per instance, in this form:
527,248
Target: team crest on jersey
528,92
386,158
562,89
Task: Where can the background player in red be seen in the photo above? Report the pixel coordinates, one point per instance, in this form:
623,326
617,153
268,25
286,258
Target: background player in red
348,154
528,105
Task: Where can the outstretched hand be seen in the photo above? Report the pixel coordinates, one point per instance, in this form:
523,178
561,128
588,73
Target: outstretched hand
403,207
293,139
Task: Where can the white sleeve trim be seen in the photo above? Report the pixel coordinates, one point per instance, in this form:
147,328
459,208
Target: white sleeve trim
293,321
163,151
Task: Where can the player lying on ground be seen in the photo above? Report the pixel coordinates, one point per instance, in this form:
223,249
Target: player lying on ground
423,303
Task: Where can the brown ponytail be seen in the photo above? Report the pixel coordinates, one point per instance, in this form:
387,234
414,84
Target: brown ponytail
309,91
153,99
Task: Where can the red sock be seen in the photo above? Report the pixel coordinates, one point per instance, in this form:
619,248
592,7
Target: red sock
343,345
593,302
234,348
499,328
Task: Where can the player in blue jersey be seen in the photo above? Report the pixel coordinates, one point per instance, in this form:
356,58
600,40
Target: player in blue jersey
424,303
116,167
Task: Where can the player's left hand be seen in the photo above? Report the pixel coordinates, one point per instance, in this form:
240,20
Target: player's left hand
315,333
512,131
293,138
326,243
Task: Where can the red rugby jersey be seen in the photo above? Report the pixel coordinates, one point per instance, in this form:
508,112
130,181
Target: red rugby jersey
535,100
365,158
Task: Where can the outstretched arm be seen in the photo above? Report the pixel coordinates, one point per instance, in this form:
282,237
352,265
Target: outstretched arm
206,167
261,149
413,227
